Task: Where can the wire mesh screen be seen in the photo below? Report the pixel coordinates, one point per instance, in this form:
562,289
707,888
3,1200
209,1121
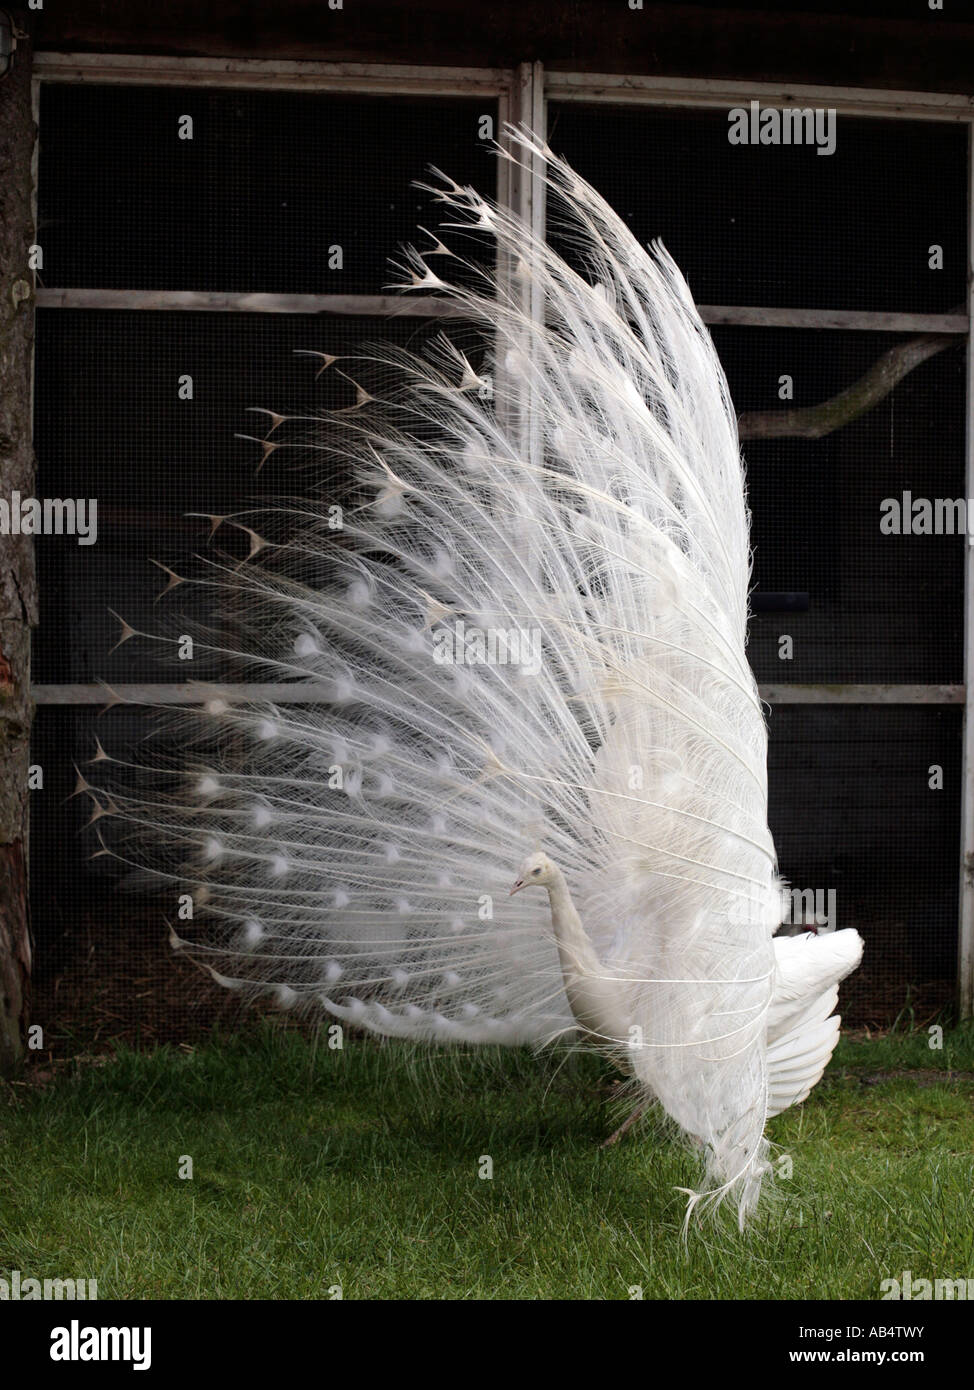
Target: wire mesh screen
104,970
111,424
882,607
114,422
864,808
865,811
272,191
781,225
864,801
853,808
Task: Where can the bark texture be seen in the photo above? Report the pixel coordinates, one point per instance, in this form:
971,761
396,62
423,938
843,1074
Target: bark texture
18,598
814,421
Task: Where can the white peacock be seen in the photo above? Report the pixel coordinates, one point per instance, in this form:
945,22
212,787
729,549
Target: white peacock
568,524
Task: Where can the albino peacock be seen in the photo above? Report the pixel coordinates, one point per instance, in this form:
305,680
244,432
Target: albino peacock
520,620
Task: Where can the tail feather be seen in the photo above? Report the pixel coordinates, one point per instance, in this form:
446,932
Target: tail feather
802,1030
503,642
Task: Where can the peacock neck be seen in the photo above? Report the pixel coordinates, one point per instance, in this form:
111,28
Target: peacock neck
591,996
574,947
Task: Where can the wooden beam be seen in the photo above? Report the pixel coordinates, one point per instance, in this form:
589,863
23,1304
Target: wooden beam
965,938
516,397
850,319
175,693
378,79
788,694
215,302
429,306
307,692
637,90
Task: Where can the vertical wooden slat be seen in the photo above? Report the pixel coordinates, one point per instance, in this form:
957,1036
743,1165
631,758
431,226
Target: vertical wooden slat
965,945
524,193
529,200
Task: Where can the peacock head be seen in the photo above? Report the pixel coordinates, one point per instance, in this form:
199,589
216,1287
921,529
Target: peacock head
537,871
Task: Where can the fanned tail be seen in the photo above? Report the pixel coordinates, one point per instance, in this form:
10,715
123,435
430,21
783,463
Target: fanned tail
515,602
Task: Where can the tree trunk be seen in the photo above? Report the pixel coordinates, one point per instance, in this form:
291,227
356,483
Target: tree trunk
18,598
816,421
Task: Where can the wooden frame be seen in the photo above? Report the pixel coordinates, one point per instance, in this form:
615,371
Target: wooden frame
965,945
301,693
428,306
521,95
376,79
687,91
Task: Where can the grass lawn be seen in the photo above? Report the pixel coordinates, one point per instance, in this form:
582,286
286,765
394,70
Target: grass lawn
359,1168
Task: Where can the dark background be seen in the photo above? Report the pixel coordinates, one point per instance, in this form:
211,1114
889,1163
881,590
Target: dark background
272,179
894,44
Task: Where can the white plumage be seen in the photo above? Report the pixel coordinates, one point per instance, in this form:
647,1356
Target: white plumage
529,630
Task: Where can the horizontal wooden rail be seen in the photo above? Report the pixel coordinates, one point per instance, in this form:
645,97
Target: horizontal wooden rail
723,93
789,694
307,692
429,306
216,302
274,74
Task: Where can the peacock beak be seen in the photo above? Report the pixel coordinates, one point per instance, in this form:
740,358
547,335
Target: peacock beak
517,887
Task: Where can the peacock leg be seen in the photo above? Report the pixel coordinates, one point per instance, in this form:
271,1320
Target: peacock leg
637,1114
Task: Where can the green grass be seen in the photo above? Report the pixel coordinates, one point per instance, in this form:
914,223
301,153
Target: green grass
360,1168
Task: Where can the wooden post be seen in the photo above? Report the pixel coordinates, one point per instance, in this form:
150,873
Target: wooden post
965,941
18,600
521,188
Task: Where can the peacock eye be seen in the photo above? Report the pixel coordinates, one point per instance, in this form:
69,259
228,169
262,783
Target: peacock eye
536,872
